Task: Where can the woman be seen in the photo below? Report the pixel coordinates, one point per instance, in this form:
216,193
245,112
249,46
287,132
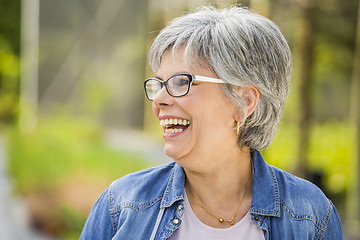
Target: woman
222,77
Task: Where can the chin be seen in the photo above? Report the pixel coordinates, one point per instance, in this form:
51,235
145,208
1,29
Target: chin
174,152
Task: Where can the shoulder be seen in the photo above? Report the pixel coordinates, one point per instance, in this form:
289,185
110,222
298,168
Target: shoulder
141,186
296,190
135,191
301,199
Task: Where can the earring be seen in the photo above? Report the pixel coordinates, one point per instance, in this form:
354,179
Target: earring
238,127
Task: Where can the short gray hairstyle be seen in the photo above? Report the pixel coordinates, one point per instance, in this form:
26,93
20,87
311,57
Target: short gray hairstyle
244,49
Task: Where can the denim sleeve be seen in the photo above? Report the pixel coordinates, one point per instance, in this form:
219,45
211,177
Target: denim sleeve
98,224
333,229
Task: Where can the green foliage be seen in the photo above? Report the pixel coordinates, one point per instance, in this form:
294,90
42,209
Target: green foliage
73,221
61,147
331,152
282,152
46,162
10,23
9,75
9,59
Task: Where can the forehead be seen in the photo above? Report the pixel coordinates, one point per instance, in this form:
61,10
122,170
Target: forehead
178,60
173,62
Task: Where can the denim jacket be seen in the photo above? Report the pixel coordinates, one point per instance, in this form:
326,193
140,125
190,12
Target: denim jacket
149,205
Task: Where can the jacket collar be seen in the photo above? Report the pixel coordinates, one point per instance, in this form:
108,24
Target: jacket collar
174,190
265,193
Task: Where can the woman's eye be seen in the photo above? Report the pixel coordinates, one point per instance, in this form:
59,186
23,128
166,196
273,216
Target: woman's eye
183,81
180,82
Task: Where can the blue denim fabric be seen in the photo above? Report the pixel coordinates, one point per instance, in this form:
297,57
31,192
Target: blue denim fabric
149,205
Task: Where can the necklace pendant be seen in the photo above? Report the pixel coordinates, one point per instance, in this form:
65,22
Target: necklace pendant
231,222
221,220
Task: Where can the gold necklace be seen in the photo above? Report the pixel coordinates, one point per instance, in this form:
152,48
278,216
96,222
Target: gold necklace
221,220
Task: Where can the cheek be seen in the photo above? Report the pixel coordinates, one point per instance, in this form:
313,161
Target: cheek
154,108
218,117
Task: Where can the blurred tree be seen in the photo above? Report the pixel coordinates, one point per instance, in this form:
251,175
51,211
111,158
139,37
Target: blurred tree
335,34
92,60
306,45
354,196
10,23
9,59
28,108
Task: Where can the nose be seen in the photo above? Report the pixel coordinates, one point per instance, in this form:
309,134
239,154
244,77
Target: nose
162,98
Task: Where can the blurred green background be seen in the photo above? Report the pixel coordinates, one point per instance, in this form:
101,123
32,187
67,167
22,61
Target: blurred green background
73,117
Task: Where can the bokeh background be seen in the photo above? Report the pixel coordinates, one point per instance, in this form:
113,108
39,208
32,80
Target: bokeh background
73,116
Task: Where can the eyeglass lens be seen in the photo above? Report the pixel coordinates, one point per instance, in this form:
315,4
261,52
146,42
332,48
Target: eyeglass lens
176,86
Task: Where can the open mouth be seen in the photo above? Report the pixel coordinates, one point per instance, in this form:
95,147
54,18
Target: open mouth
174,125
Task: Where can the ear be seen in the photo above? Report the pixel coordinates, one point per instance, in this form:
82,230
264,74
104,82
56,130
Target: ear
251,96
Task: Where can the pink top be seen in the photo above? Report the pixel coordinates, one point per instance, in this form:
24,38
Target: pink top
192,228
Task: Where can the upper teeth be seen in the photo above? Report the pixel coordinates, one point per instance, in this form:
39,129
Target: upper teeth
174,121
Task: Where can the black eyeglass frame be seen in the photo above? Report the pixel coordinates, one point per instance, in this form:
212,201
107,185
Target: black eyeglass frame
192,78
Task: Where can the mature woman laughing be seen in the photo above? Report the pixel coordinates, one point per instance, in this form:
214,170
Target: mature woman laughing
221,80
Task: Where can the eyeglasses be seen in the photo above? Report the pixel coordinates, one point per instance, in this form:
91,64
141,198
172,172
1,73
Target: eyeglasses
177,85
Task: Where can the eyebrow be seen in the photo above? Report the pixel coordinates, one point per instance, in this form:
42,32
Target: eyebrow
181,72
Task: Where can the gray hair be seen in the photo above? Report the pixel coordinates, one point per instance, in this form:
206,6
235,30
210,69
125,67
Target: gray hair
243,49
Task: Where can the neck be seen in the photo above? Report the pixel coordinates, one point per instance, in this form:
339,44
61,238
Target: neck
221,183
217,195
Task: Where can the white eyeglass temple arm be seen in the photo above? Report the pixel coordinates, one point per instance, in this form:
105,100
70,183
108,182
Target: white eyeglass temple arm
208,79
